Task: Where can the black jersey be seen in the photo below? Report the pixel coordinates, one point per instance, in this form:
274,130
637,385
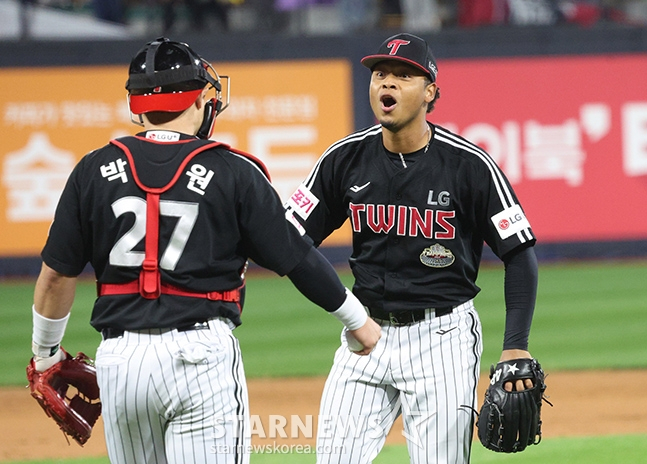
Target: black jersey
418,231
220,211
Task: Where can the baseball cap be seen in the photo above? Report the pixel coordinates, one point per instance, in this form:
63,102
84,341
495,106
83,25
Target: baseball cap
407,48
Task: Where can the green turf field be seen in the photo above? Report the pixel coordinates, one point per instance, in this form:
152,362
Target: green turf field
588,315
628,449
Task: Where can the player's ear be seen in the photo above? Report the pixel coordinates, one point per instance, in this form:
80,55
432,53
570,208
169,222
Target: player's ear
200,101
430,91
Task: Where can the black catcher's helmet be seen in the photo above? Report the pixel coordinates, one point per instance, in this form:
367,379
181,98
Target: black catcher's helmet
168,76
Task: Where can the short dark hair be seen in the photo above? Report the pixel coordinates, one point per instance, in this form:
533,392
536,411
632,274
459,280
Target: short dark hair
162,117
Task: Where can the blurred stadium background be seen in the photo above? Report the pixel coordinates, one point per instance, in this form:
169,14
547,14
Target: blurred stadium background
554,90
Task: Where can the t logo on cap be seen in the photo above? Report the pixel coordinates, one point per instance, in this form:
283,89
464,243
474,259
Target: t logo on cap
394,45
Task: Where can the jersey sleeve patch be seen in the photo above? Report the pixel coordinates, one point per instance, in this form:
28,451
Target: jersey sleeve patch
303,201
510,221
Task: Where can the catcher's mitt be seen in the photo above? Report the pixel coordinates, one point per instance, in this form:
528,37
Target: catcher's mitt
76,415
510,421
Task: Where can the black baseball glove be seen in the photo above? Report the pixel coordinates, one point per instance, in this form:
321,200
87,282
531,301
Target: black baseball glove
510,421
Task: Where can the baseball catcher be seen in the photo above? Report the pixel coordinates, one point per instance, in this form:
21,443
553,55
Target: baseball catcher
75,409
167,309
511,420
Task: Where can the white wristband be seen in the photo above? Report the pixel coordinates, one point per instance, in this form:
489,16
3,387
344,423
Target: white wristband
351,313
47,333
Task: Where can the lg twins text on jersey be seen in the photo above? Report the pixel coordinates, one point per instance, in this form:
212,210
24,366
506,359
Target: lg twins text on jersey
418,231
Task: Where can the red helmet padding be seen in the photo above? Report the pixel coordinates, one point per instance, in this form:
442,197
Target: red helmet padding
171,102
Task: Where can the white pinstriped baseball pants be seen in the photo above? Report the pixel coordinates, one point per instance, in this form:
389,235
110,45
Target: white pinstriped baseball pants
174,397
427,371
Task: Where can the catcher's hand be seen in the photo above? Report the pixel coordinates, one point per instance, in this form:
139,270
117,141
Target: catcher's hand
75,415
511,420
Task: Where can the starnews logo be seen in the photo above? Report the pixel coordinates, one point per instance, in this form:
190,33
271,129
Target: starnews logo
303,428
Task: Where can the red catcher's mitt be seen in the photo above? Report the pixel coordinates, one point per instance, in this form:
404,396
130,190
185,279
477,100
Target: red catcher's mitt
76,415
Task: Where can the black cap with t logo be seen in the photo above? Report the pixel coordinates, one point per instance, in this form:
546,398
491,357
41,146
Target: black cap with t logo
407,48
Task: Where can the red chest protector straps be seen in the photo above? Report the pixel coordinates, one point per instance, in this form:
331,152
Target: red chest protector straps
149,284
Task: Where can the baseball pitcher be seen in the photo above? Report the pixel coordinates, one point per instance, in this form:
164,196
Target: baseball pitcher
421,201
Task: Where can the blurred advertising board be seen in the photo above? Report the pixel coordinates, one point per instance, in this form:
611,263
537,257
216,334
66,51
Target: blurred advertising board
570,132
285,113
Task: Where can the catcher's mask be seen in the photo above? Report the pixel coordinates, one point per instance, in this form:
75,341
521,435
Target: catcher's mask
169,76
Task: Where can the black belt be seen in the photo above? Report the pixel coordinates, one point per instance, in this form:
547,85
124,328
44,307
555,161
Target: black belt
109,333
407,317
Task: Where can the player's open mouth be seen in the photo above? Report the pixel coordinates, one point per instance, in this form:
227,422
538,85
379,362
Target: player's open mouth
388,102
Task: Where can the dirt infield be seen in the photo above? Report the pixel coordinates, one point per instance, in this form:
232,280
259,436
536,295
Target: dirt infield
585,403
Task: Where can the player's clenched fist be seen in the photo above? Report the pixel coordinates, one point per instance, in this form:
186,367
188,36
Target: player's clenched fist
363,340
362,332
